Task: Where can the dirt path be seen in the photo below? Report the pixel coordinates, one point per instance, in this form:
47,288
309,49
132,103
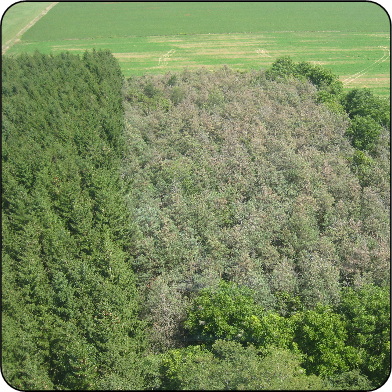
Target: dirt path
14,40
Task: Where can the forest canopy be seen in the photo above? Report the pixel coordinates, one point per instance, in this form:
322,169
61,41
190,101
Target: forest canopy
164,231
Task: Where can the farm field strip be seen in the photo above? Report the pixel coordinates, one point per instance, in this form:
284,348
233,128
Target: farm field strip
15,39
122,19
146,45
357,57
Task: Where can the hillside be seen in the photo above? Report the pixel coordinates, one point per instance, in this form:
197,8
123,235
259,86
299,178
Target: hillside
162,231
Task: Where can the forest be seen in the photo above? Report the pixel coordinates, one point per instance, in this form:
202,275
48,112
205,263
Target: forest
192,230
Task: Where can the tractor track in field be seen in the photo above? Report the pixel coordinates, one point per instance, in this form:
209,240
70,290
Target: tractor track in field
15,39
357,75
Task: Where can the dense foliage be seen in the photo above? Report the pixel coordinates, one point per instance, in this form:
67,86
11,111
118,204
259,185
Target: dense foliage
70,303
194,230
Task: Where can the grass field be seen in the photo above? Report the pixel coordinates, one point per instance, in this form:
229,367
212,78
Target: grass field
18,16
352,39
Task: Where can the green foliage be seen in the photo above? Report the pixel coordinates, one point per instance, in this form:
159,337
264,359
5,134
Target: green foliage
25,348
369,114
229,312
323,78
367,311
72,358
288,303
321,334
329,99
283,66
220,313
331,342
330,88
174,365
363,132
230,366
270,330
351,380
362,102
71,290
362,165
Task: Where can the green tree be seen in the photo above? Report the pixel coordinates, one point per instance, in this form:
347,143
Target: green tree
323,78
71,303
367,314
363,132
221,313
270,330
350,380
321,335
362,164
283,66
230,366
362,102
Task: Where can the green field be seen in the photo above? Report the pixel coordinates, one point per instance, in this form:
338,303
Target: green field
352,39
18,16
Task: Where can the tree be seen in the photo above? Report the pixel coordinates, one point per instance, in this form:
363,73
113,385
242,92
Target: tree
321,335
221,313
350,380
319,283
367,314
363,132
323,78
71,304
283,66
362,102
270,330
230,366
166,311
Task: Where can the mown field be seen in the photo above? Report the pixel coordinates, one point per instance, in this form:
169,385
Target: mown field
352,39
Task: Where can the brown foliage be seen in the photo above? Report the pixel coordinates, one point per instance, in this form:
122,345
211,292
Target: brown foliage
251,176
